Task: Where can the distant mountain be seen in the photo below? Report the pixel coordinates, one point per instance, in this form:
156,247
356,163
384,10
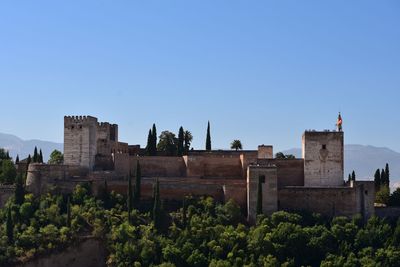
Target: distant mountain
23,148
364,160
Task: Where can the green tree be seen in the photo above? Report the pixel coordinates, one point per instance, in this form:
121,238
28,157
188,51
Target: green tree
377,180
68,212
383,195
56,157
181,140
259,208
157,210
105,195
349,178
130,198
168,143
383,178
9,227
387,175
149,143
353,176
19,192
154,141
188,141
138,184
208,138
40,157
280,155
35,155
237,145
3,154
394,199
17,159
8,172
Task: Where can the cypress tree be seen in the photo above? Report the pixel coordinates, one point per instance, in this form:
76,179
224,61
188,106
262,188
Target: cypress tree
181,139
377,180
130,198
105,197
29,160
184,213
154,140
149,143
259,209
17,159
383,178
40,156
9,227
353,176
208,138
68,212
8,155
138,184
19,193
349,178
387,174
157,206
35,156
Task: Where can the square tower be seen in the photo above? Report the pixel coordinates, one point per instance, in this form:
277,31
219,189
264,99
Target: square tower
323,154
80,141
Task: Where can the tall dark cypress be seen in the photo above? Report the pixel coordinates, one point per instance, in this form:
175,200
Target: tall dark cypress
105,196
138,184
259,198
29,160
154,140
17,159
68,212
208,138
40,159
349,178
353,176
9,227
149,143
383,178
157,212
377,180
35,156
387,174
130,198
19,193
181,139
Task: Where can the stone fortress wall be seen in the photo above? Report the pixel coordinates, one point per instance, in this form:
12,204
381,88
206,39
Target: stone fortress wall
315,182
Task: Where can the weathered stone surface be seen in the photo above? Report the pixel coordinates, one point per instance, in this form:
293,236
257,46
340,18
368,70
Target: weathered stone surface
323,158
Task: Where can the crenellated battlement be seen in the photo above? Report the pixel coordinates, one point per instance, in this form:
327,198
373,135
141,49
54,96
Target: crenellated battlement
79,119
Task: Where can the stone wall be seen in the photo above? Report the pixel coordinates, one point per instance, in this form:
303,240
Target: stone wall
323,158
159,166
89,253
290,171
6,191
213,166
267,175
42,177
178,188
330,201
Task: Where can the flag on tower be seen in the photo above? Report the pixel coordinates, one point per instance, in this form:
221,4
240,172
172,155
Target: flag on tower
339,123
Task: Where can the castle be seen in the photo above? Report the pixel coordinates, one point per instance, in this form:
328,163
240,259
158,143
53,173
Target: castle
92,153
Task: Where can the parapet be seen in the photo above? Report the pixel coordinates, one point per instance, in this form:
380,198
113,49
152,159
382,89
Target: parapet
265,152
73,120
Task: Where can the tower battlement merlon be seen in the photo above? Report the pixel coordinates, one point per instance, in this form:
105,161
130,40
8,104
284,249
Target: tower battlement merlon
79,119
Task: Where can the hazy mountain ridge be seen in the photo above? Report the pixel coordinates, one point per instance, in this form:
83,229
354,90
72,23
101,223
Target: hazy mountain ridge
365,159
17,146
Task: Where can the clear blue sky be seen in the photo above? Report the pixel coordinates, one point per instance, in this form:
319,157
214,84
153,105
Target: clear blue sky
260,71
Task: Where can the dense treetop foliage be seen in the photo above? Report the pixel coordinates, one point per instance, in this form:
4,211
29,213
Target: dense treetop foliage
201,233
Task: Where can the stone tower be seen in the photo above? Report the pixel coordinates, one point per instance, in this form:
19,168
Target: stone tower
323,158
323,154
80,141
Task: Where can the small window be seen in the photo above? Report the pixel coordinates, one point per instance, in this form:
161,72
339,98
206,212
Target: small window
323,146
366,192
72,127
